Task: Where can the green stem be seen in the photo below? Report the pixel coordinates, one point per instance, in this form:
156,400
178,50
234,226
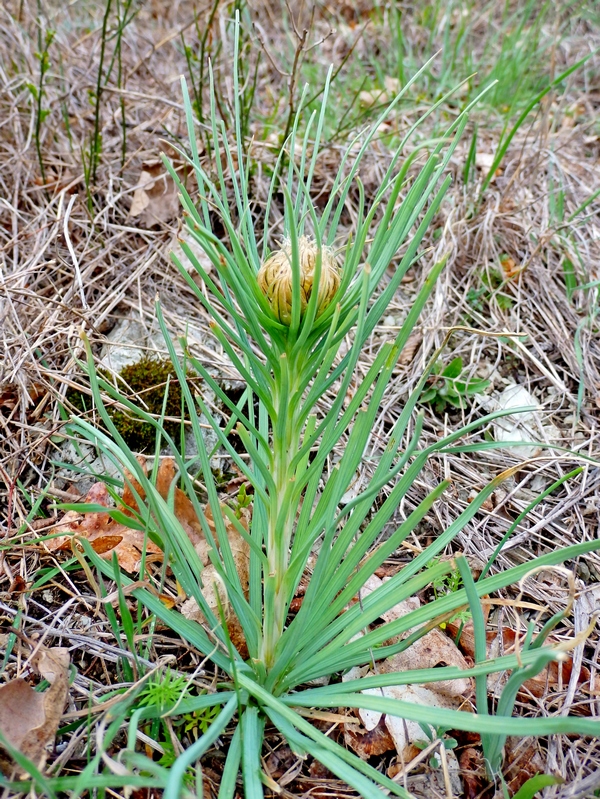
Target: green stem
282,512
95,143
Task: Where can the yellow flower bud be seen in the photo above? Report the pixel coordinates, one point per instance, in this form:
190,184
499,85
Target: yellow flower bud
275,278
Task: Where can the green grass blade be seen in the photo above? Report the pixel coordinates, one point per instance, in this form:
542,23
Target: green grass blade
525,513
460,720
227,787
505,142
311,697
343,770
535,784
252,738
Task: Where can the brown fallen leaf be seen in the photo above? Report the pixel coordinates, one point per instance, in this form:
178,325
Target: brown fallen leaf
433,649
552,677
156,196
182,505
281,765
105,543
107,536
510,269
104,534
11,394
410,348
51,664
21,710
28,718
522,760
472,772
372,742
18,585
214,590
57,181
555,676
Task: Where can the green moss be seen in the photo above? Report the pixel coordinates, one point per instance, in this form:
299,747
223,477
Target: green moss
143,383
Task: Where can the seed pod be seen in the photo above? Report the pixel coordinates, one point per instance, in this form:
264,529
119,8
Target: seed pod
275,278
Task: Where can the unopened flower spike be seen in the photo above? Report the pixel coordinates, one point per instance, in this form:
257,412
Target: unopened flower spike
275,278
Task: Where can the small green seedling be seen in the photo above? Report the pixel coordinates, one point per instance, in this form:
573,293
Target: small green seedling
198,722
163,691
243,500
492,284
448,584
446,387
435,734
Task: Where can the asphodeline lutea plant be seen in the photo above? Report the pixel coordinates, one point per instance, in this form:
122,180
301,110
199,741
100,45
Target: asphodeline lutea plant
281,318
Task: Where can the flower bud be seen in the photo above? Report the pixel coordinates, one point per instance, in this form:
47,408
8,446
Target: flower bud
275,278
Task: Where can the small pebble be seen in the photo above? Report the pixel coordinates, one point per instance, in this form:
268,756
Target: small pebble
84,622
583,571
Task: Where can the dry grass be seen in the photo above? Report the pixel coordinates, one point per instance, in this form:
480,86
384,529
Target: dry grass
72,258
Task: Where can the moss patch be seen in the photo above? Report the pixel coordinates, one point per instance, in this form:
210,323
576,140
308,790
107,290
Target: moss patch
143,383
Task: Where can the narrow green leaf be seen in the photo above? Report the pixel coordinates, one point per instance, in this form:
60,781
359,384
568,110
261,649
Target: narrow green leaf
461,720
311,697
535,784
271,703
252,738
232,765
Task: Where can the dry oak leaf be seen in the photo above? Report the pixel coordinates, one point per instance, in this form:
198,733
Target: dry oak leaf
522,760
182,505
28,718
472,772
104,534
156,196
213,587
433,649
410,348
552,677
107,536
376,741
